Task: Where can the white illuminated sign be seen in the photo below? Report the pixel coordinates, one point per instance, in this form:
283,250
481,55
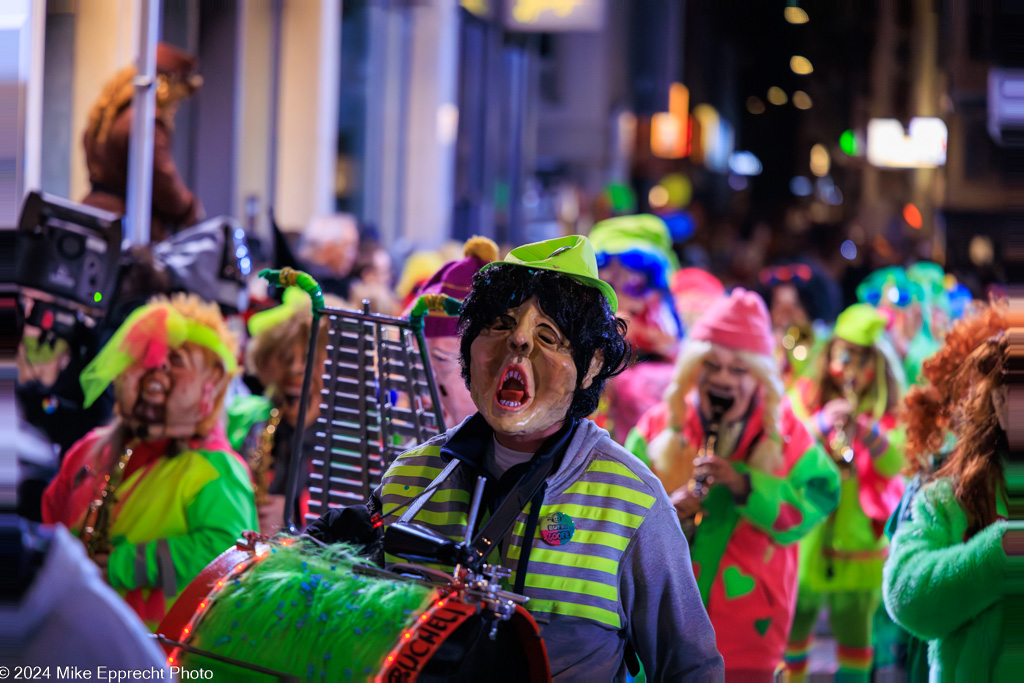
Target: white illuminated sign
922,146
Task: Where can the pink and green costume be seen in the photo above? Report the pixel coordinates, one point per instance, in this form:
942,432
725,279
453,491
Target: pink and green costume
173,515
744,553
841,560
180,503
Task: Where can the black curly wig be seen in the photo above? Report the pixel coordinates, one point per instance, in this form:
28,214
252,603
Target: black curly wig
581,312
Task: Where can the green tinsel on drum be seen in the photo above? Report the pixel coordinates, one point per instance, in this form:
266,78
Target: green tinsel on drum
302,610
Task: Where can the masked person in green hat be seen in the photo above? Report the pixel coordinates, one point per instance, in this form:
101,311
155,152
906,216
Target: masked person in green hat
261,428
849,403
902,300
634,256
539,341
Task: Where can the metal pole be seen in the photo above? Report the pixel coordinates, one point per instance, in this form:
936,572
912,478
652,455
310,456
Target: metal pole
140,150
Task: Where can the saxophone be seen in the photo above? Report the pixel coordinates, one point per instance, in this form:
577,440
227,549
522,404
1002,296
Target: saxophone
720,405
261,458
96,530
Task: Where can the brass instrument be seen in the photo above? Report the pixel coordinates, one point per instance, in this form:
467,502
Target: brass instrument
699,484
96,532
839,445
261,458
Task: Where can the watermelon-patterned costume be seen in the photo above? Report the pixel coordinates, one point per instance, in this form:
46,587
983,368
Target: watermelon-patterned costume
744,553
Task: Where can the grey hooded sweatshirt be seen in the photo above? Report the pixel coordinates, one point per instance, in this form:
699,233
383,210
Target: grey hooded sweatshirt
608,566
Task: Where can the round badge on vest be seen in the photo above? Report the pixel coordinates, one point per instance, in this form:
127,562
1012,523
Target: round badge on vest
557,528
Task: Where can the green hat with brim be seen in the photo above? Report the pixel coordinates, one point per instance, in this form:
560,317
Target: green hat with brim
642,232
860,324
572,256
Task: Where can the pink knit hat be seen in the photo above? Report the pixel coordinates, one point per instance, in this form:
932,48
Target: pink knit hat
739,322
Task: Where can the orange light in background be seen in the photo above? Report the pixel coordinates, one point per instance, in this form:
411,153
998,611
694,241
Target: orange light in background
802,100
800,65
755,105
912,215
795,15
821,162
777,95
657,197
670,131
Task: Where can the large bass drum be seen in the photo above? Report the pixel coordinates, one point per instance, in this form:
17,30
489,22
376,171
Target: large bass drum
293,610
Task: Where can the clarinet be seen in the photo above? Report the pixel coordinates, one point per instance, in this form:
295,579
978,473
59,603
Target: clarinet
720,405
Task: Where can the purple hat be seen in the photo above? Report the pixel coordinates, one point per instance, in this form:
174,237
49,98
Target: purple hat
455,279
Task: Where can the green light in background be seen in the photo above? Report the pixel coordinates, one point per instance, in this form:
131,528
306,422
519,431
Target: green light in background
97,297
848,143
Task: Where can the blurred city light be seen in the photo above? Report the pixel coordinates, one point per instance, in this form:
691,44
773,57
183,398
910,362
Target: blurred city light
745,163
777,95
801,186
737,182
924,146
848,250
912,215
679,188
795,15
800,65
671,131
802,100
657,197
848,143
820,160
755,105
980,250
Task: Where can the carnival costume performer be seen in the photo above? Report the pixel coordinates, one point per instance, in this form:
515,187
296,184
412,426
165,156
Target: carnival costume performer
635,257
928,414
159,493
804,301
849,403
956,562
261,428
905,302
454,279
598,548
107,137
745,472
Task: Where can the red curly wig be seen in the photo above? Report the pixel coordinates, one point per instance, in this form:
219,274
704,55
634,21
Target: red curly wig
958,398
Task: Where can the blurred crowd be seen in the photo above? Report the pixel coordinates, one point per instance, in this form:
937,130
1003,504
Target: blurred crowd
780,397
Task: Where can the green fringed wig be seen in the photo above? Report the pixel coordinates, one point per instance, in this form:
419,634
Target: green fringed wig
302,610
145,337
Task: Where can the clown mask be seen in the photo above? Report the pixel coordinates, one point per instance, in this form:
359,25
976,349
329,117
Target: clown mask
725,375
176,398
851,366
524,377
456,401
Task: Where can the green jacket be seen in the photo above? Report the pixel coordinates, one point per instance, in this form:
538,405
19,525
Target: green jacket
952,592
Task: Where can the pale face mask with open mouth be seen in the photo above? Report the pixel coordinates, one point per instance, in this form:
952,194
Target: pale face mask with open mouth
725,378
522,375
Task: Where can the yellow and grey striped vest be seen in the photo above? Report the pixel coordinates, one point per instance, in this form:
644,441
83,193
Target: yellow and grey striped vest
607,503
